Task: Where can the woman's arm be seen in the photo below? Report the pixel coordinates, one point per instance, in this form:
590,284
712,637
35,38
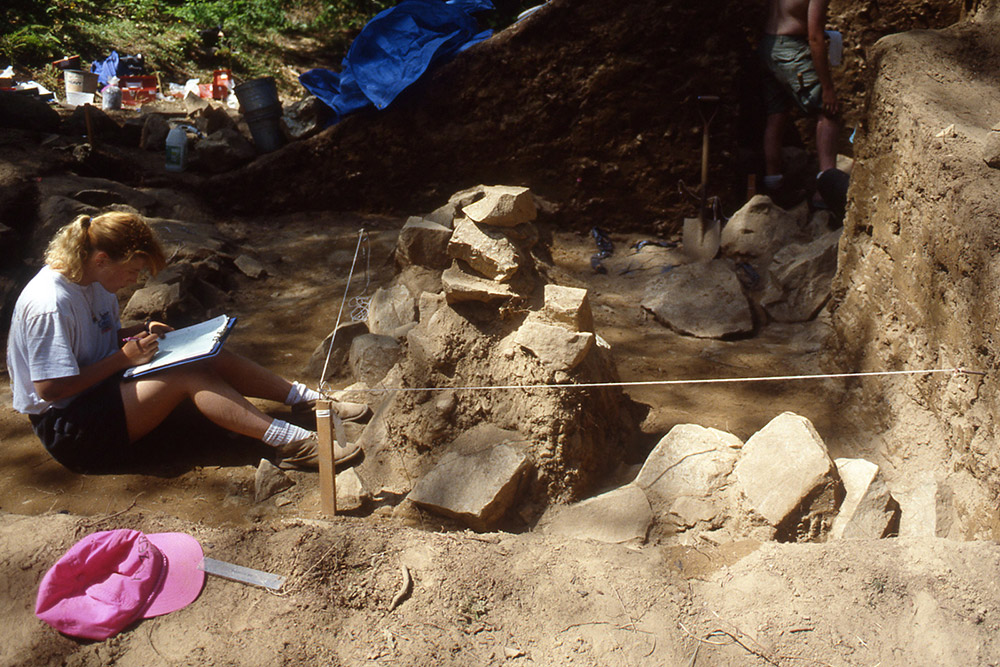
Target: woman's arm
149,326
132,353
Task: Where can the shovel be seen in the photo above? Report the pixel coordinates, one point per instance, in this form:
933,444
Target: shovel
701,235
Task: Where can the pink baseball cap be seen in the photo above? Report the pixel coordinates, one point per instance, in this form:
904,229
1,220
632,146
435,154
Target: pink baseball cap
110,579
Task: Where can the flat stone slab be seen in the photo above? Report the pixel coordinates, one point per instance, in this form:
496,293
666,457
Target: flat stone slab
621,515
704,300
782,465
503,206
488,251
476,489
460,285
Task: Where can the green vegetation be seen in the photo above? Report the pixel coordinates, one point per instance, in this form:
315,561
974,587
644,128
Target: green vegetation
261,37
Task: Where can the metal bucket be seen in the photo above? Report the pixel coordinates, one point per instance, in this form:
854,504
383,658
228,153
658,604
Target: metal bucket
78,81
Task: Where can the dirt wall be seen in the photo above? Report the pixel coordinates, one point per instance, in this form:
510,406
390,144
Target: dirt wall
919,268
591,104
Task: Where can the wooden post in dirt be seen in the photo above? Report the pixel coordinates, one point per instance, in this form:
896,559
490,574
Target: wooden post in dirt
90,125
327,469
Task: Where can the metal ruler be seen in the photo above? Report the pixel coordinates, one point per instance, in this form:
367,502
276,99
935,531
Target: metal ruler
245,575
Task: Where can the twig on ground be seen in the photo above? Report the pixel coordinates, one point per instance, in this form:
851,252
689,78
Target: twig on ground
90,523
405,586
759,654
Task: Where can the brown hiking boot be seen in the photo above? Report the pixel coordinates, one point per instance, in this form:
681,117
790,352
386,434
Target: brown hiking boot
304,454
347,411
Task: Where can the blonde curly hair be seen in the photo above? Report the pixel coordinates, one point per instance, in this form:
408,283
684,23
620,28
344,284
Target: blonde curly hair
122,236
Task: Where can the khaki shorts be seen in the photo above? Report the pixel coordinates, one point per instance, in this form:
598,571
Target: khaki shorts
789,75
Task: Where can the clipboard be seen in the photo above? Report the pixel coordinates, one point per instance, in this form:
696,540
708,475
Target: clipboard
182,346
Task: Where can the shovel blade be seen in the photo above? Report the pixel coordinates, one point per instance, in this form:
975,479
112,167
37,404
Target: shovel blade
701,238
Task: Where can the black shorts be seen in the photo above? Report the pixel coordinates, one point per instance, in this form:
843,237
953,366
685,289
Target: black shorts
90,434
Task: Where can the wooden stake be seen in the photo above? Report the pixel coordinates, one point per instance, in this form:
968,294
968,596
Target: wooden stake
90,125
327,470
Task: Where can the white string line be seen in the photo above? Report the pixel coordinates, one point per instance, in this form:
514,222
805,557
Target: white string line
644,383
347,287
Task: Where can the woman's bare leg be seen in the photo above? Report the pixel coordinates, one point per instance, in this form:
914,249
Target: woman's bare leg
250,378
148,401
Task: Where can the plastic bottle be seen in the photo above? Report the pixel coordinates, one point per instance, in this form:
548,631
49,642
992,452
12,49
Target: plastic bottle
111,96
177,148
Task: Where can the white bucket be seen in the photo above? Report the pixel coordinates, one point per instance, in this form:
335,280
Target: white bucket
78,81
74,99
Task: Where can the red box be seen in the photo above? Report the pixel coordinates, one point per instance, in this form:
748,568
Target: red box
222,82
138,89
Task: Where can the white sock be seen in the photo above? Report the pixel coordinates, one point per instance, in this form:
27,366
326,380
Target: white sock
773,181
281,433
300,393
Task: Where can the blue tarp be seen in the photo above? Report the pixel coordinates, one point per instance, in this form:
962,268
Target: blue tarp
106,69
115,65
394,49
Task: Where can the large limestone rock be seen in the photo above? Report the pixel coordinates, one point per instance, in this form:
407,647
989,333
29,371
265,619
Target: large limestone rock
372,356
489,252
788,477
804,273
423,242
704,300
154,300
868,510
621,515
335,360
569,306
503,206
556,347
690,460
476,489
758,230
391,310
461,285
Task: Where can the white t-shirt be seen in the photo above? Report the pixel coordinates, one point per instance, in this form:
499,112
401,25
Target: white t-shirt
58,327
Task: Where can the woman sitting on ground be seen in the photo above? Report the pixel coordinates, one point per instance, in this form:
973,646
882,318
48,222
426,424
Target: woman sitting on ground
67,352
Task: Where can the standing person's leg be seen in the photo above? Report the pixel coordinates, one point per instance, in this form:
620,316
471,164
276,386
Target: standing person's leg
827,131
774,133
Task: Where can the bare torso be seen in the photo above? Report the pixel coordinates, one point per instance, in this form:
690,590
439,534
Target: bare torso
787,17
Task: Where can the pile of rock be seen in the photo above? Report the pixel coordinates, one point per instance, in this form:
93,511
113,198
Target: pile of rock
702,483
458,357
774,265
